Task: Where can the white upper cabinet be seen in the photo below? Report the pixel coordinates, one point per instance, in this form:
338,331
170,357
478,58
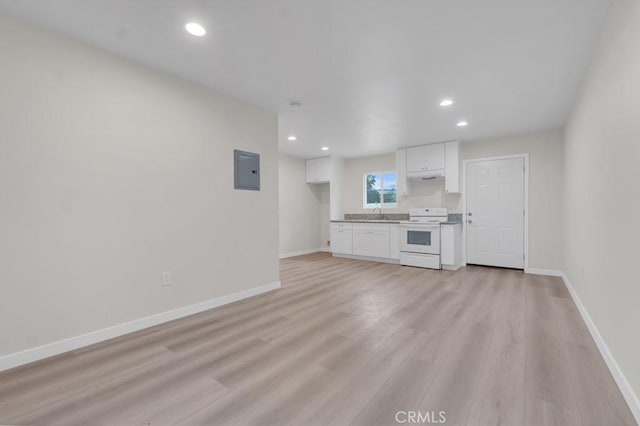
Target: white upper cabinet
452,167
425,158
439,159
415,159
401,170
434,156
319,170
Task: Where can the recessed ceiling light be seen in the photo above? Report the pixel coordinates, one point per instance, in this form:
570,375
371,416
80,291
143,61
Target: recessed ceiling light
195,29
462,124
325,148
292,138
446,102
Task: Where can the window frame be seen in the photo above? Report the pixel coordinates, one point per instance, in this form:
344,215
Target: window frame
381,204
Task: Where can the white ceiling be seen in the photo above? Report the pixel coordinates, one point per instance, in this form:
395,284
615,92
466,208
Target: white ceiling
369,73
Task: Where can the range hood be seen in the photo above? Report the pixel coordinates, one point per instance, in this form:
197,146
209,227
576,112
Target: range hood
426,174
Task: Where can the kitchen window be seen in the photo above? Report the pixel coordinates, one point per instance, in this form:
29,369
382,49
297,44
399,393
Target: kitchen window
380,190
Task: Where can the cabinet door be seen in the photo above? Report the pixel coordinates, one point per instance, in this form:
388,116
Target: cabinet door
371,240
380,242
434,156
341,238
360,240
394,241
447,245
452,167
319,170
424,158
415,159
401,169
312,171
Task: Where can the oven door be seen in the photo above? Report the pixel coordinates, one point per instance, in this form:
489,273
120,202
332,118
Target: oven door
420,239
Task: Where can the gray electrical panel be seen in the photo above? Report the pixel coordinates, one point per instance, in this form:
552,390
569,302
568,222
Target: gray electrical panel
246,170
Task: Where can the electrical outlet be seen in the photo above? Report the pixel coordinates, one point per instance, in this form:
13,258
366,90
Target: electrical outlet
166,279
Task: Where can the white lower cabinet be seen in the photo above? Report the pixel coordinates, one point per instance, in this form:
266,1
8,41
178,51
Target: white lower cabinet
376,240
451,246
382,241
394,241
371,240
342,238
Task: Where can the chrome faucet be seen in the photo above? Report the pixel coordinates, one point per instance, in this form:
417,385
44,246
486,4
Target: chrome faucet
379,212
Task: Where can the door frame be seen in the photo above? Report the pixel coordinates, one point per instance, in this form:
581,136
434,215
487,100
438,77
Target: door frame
524,156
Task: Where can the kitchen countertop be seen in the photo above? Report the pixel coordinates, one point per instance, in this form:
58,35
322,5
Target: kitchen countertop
388,221
394,218
370,221
387,217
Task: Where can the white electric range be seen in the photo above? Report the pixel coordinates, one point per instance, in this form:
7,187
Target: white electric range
420,238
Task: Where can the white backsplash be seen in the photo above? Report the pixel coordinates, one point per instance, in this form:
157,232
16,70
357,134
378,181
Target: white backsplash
429,193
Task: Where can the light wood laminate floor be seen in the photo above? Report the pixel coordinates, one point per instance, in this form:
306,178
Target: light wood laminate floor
343,342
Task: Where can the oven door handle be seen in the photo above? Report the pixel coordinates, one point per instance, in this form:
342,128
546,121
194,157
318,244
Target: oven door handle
420,228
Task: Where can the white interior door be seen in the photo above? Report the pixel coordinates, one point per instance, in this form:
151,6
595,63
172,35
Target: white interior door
495,212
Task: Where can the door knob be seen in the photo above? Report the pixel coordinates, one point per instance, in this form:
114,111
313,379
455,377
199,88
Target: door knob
469,221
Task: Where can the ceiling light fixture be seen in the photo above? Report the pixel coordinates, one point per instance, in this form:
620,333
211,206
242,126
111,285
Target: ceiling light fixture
446,102
195,29
462,124
325,148
292,138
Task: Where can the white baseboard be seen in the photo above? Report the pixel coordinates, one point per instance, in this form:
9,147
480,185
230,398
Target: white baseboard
614,368
299,253
367,258
549,272
451,268
72,343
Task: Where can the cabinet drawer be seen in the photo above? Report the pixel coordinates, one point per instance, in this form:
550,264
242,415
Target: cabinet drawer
374,227
339,225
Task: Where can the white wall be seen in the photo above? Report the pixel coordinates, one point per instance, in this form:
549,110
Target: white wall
300,210
423,193
336,193
545,151
111,173
325,216
602,154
